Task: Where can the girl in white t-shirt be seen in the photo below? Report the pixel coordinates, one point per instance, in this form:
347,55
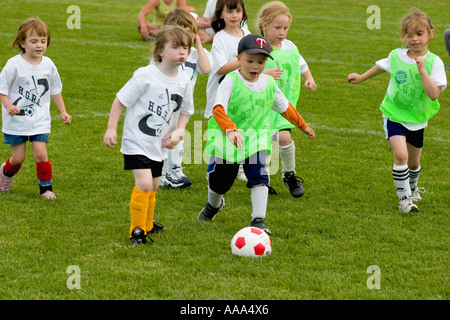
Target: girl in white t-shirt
198,62
159,102
27,82
227,22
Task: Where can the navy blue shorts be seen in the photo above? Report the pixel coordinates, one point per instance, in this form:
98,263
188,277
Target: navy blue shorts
137,161
222,173
12,139
392,128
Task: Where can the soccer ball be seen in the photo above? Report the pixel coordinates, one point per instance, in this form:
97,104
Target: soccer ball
251,242
196,17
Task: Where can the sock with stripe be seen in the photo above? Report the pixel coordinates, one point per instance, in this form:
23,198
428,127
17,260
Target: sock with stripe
400,173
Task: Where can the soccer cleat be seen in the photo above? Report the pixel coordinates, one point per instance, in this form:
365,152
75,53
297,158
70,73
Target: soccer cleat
271,190
138,237
48,195
157,228
5,181
294,184
406,205
241,174
259,223
175,178
415,196
209,212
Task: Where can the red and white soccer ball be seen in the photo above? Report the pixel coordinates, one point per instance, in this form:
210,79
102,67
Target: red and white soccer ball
196,17
251,242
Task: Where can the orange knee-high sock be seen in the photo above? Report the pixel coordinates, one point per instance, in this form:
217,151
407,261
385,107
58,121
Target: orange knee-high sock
138,209
150,212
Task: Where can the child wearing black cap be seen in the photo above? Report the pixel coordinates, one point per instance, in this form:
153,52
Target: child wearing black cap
239,131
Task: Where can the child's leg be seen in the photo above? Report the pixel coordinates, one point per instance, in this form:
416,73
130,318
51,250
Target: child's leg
12,166
287,151
400,171
44,169
143,199
414,155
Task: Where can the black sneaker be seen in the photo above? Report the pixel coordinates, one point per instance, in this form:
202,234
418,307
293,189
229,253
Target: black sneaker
294,184
209,212
157,228
138,237
259,223
271,190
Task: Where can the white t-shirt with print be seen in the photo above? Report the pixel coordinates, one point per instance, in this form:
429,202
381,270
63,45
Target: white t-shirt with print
154,102
29,87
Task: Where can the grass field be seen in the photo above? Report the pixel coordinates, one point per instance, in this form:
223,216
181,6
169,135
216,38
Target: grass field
323,243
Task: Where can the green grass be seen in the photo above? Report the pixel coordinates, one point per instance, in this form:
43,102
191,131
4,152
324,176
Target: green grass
323,243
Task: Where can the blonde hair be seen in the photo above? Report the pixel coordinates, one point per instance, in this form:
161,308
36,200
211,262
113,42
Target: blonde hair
416,18
174,34
269,11
32,24
183,18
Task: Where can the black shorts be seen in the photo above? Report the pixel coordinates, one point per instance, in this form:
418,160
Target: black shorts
415,138
221,174
137,161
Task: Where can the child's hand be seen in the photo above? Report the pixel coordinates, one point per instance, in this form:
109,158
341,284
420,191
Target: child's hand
311,85
274,72
354,78
12,110
420,62
197,40
235,138
175,137
310,132
67,119
110,138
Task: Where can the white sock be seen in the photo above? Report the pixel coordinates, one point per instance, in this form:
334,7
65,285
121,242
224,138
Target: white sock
214,199
400,173
287,156
414,177
259,195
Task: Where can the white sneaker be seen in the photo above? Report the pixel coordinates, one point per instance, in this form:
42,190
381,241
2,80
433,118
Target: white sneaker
5,181
175,178
415,196
241,174
48,195
406,205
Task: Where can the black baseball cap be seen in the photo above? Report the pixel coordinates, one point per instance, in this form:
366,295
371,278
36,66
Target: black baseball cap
253,44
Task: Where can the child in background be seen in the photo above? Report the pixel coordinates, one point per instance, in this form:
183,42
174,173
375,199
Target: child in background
239,130
287,67
160,9
198,61
27,82
227,22
159,102
417,78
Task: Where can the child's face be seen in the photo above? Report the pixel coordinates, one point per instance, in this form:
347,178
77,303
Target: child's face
175,54
252,65
417,39
34,45
232,17
276,31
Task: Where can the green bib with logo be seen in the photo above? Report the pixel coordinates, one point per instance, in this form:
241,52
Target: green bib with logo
407,101
249,110
289,82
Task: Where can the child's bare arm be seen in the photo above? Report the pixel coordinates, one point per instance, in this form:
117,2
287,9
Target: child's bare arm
203,61
10,108
357,78
110,138
58,99
430,87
